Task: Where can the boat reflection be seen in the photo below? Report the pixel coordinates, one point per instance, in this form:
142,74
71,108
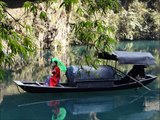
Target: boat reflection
108,107
58,112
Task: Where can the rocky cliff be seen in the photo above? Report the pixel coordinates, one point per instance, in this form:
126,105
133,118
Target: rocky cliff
138,19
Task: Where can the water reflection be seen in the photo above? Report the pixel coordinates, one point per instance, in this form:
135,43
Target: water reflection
58,112
106,106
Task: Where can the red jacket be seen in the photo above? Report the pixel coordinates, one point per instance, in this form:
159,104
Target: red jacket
54,80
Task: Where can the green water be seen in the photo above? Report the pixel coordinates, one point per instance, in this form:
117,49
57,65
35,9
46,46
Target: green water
123,105
134,104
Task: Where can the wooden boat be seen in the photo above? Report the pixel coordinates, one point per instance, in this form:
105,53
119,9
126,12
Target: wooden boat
102,78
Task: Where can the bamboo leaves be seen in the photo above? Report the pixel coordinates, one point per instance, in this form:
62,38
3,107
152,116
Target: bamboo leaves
95,34
88,29
34,8
100,6
30,7
43,15
2,15
68,4
91,30
13,42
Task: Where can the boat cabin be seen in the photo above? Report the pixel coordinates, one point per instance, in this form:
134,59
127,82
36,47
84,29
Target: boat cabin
103,76
86,76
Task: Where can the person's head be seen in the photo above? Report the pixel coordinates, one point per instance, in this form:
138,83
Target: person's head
54,63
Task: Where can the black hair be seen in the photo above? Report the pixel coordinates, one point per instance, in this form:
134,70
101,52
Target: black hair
55,62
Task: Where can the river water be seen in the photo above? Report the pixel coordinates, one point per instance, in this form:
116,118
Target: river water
133,104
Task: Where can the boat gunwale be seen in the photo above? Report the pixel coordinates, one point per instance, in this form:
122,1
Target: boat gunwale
25,84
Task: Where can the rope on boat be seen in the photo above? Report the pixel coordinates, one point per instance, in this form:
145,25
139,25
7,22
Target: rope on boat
134,80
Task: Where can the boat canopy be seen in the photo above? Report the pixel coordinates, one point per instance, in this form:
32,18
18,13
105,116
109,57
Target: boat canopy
123,57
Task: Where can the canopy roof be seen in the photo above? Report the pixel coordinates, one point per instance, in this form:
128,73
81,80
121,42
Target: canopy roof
123,57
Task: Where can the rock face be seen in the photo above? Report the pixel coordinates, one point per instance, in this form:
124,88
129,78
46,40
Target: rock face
50,37
138,19
51,33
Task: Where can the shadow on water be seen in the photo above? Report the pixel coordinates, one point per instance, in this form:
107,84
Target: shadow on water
100,105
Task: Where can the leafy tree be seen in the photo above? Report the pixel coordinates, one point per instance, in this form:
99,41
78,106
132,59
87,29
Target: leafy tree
13,41
88,29
89,18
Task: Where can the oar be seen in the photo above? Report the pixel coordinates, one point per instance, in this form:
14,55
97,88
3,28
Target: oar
134,80
40,102
34,103
140,83
138,97
38,83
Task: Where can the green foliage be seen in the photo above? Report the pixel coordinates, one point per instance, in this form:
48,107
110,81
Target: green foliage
93,6
87,30
91,29
1,74
28,29
43,15
13,43
96,37
50,2
2,14
138,22
30,7
34,8
68,4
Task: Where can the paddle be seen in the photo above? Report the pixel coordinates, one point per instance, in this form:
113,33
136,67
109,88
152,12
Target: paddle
38,83
41,102
134,80
140,83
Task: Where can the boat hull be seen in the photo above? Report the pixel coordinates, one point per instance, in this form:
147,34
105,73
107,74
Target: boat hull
34,88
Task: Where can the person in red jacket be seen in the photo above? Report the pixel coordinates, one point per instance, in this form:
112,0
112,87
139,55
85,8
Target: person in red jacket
54,79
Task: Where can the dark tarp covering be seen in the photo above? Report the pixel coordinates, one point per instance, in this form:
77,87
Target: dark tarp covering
85,73
136,58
